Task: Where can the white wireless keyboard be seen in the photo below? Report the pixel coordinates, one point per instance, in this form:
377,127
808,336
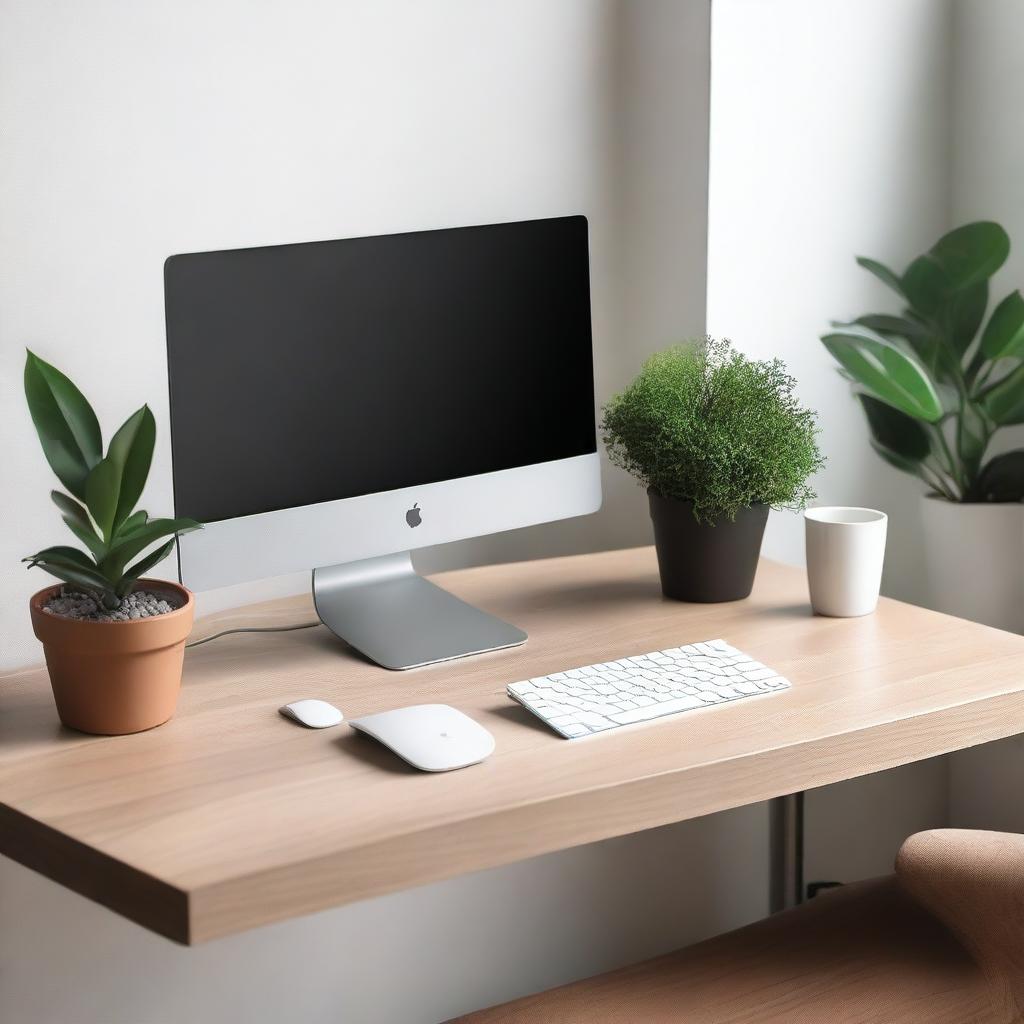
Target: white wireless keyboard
595,698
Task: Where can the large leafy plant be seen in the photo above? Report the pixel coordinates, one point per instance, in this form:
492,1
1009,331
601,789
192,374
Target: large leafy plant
704,424
938,380
103,490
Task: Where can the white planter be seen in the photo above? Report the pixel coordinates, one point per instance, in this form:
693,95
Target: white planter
974,561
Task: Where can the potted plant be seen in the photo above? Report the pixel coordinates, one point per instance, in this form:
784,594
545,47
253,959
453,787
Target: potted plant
717,439
113,640
937,382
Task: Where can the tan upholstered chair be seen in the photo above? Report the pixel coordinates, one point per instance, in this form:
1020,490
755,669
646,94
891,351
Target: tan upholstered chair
939,942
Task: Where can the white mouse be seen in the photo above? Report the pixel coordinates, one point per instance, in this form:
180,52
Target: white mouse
316,714
431,737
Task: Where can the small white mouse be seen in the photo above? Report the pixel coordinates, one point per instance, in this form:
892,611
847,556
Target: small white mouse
431,737
316,714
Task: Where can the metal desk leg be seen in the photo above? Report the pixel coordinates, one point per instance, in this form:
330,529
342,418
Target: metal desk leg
786,828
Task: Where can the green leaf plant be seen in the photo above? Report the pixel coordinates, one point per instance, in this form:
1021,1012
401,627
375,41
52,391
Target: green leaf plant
703,423
938,380
102,490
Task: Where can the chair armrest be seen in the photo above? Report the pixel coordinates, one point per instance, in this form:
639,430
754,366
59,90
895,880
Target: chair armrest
973,882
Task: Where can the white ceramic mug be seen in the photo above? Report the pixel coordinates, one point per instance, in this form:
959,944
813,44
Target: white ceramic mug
845,552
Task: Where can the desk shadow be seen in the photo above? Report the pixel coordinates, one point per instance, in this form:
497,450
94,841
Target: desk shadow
372,752
576,595
15,734
518,715
643,593
801,610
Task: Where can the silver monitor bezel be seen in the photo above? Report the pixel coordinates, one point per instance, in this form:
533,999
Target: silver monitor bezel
352,529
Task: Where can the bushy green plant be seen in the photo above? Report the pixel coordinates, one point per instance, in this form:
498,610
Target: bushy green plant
934,383
100,508
704,424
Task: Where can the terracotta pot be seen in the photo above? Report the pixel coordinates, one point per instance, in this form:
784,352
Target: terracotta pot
112,678
706,562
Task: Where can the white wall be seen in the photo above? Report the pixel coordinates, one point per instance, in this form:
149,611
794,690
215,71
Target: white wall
830,138
988,171
137,130
988,136
988,124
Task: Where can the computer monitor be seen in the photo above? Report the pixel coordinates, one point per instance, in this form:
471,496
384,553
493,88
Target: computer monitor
335,405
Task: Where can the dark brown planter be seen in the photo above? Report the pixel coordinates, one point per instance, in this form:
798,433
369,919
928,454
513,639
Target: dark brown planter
706,562
112,678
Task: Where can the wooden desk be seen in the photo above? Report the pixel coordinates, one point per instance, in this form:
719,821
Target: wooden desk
230,817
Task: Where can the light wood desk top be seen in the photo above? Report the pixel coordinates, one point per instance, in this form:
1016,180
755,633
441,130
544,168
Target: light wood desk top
230,817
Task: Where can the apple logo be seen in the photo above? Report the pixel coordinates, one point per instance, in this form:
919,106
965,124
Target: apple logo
412,517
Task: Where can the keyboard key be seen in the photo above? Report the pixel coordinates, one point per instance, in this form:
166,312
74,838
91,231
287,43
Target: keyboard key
656,711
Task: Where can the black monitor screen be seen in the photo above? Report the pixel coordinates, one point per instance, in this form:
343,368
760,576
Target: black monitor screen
307,373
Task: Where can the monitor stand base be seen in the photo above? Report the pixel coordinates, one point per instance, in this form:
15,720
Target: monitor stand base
388,612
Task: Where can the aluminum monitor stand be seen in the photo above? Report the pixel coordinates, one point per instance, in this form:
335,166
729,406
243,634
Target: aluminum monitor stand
387,611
